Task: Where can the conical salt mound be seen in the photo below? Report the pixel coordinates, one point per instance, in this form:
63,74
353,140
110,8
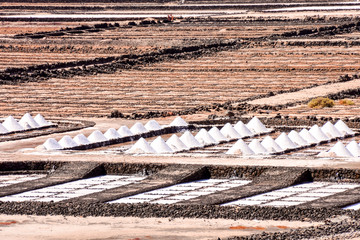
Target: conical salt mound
12,125
304,133
124,131
340,150
111,133
52,144
176,144
243,130
179,122
25,125
138,128
270,145
190,141
285,142
297,139
67,142
160,146
228,131
343,128
318,133
152,125
217,135
353,148
205,138
241,148
80,139
256,126
97,136
330,130
141,146
3,130
40,120
256,146
30,120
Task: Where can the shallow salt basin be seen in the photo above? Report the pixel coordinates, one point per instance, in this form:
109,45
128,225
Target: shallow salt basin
6,180
329,8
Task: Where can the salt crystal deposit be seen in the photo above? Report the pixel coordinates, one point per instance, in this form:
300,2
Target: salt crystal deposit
52,144
179,122
353,148
257,148
318,133
270,145
340,150
241,148
256,126
12,125
205,138
30,120
25,125
343,128
244,131
3,130
229,132
124,131
152,125
330,130
111,133
285,142
141,146
297,139
217,135
67,142
304,133
138,128
40,120
80,139
96,137
160,146
176,144
190,141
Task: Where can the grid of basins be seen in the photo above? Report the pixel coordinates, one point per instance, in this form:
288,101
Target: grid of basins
6,180
73,189
183,191
294,195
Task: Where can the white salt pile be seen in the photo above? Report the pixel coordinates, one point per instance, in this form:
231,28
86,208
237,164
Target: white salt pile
138,128
304,133
243,130
80,139
141,146
179,122
27,118
318,134
152,125
40,120
52,144
353,148
241,148
176,144
124,131
340,150
270,145
3,130
257,148
67,142
111,133
205,138
330,130
217,135
190,141
256,126
297,139
285,142
97,136
229,132
160,146
25,125
343,128
12,125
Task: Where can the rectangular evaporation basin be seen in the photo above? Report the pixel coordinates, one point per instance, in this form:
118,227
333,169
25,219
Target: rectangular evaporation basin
129,200
166,201
6,180
353,207
282,203
243,202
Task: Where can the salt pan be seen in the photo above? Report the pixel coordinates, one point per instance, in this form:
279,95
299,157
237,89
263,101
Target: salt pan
229,132
176,144
40,120
298,139
240,147
217,135
141,146
67,142
340,150
205,138
124,131
80,139
343,128
330,130
256,126
138,128
30,120
353,148
52,144
256,146
304,133
179,122
270,145
12,125
111,133
318,133
152,125
3,130
244,131
160,146
285,142
190,141
96,137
